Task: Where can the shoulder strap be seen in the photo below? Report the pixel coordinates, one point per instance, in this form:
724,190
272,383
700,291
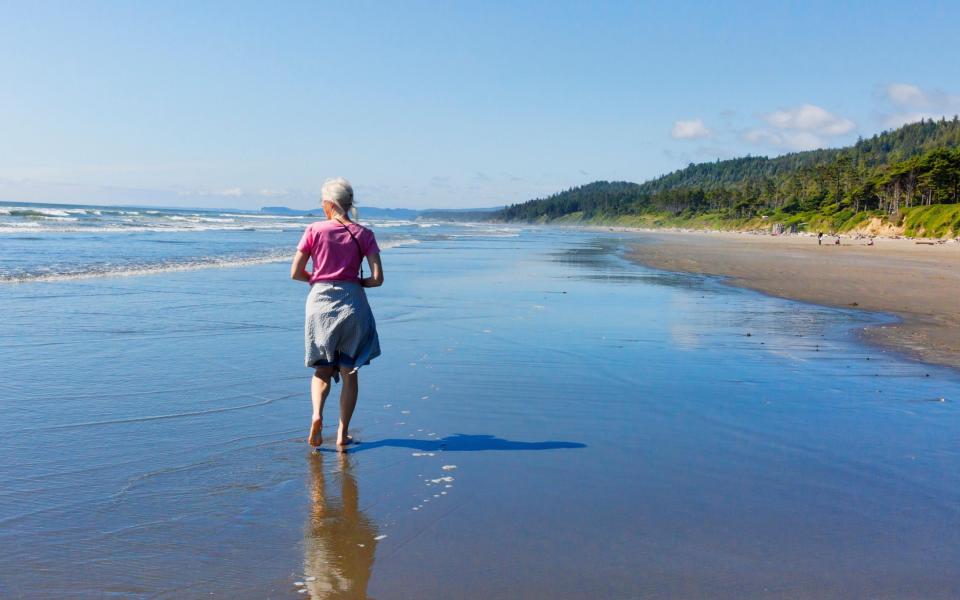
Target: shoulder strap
356,243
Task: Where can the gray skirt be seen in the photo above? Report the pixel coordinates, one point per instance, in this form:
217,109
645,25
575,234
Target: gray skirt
339,330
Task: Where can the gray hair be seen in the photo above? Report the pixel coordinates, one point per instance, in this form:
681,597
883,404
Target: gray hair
338,191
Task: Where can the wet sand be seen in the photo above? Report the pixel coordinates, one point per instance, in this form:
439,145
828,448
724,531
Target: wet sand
918,282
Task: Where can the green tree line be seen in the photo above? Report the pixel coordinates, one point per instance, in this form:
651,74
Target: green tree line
915,165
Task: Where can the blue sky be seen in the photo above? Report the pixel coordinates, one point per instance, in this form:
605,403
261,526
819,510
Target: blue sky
442,104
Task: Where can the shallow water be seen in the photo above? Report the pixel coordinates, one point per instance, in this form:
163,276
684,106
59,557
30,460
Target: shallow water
547,420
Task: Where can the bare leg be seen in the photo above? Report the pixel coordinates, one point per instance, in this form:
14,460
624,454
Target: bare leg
349,389
319,389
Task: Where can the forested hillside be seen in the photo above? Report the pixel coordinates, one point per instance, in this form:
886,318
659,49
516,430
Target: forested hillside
881,179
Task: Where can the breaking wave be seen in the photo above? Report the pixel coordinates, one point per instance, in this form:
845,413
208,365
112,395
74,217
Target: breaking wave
91,271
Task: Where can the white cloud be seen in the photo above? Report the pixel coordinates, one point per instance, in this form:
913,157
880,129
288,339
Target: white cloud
811,119
911,104
762,136
789,140
690,130
803,140
905,94
895,120
804,127
272,193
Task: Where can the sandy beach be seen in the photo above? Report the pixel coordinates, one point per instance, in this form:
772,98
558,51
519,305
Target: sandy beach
918,282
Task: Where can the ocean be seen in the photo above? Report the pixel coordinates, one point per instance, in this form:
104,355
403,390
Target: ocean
56,242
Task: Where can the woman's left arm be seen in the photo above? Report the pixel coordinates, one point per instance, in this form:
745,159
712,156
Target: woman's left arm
298,269
376,277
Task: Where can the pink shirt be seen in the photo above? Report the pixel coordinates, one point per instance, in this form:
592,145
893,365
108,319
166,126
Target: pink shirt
334,253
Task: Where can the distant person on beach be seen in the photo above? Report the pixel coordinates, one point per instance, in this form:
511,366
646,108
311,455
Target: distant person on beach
340,333
820,238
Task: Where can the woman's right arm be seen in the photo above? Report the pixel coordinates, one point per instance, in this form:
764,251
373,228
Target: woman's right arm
376,270
298,268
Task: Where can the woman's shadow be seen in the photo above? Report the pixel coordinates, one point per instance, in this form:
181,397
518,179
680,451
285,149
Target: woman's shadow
464,443
340,540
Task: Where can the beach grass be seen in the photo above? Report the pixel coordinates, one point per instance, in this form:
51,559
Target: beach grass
936,221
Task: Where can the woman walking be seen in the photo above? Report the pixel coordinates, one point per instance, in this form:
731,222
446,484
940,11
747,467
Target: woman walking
340,332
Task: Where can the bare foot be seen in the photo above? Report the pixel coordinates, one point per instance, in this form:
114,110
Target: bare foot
316,433
343,442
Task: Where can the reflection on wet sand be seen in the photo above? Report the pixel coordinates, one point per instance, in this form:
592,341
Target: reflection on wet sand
339,540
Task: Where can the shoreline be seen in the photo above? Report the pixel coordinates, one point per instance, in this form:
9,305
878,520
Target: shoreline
919,283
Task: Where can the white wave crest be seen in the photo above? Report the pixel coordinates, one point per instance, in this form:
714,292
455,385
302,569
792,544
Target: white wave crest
388,224
212,262
387,244
129,271
51,212
199,227
15,227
